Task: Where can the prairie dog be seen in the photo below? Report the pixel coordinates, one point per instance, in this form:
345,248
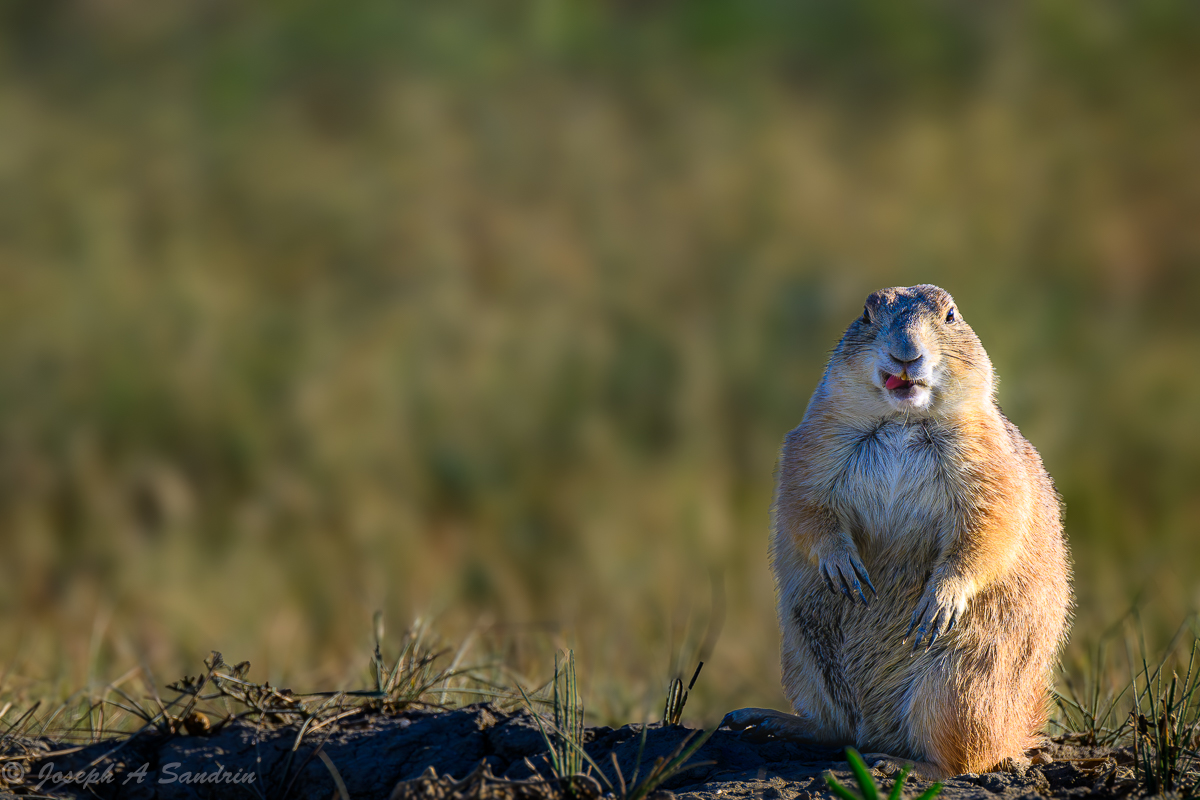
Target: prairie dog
922,577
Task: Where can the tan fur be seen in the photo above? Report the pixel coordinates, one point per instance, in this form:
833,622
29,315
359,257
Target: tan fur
947,506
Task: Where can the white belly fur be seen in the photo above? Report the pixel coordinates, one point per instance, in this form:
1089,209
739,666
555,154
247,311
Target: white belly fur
893,486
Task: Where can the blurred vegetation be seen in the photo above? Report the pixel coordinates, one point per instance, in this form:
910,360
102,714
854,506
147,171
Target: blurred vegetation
501,310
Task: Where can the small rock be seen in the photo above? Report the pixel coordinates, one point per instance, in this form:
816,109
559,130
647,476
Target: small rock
993,783
1038,781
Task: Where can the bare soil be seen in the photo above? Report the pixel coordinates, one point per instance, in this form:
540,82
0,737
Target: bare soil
483,752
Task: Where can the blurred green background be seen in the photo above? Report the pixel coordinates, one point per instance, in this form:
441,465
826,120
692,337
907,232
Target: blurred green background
499,311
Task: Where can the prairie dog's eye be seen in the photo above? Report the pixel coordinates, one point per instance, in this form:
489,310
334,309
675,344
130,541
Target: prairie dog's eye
866,317
952,315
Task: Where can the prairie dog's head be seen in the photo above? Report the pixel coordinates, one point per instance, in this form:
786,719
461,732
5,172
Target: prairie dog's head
911,353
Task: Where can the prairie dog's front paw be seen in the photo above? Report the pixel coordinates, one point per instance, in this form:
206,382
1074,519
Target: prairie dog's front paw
844,572
764,723
939,609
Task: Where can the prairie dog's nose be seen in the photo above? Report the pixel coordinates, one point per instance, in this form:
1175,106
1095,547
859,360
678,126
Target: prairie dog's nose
906,350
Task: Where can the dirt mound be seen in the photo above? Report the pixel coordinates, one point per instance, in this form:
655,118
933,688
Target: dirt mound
482,752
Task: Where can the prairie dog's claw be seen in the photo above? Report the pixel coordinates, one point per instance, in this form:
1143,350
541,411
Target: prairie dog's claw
741,719
844,572
937,612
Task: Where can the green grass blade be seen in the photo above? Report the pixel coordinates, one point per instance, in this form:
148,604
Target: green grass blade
899,785
637,764
549,744
866,784
931,792
838,789
676,763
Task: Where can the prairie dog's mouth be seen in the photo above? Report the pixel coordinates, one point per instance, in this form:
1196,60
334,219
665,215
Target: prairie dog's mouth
905,393
900,384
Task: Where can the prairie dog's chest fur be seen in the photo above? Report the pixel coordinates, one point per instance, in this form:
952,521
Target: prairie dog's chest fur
893,480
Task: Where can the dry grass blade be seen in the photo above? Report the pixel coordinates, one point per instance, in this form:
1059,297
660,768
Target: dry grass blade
666,768
1165,722
18,725
337,776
